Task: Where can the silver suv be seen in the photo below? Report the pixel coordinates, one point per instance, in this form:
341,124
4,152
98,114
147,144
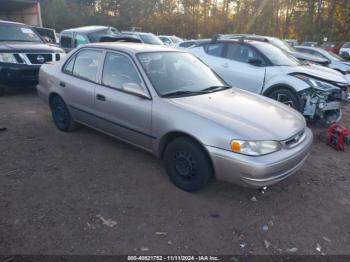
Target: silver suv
264,69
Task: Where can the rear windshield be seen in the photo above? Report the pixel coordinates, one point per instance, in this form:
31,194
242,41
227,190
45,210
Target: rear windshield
150,39
96,36
20,33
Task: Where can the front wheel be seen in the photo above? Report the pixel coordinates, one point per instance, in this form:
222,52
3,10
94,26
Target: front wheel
187,164
61,115
286,97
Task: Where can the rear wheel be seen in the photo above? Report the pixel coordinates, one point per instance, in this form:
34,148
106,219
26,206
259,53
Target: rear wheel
61,115
286,97
187,164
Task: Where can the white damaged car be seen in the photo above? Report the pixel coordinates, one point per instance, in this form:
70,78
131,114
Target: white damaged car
264,69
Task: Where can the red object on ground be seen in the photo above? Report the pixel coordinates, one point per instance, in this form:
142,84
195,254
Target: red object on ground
338,137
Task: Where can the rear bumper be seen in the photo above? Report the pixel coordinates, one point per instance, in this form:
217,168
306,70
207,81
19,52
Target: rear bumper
17,74
260,171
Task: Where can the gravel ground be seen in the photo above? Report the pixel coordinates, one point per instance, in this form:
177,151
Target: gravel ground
86,193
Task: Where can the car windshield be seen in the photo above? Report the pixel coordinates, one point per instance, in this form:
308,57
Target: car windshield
179,74
150,39
96,36
176,39
333,56
282,45
20,33
277,56
346,45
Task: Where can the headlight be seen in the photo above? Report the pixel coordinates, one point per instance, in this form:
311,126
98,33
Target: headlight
255,148
8,58
317,84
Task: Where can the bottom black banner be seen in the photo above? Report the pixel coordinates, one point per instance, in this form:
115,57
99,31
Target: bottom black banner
155,258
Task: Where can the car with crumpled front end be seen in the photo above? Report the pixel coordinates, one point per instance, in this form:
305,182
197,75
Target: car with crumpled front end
172,105
335,62
22,52
262,68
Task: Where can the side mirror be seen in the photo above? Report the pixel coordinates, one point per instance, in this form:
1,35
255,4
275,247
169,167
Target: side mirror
135,89
255,61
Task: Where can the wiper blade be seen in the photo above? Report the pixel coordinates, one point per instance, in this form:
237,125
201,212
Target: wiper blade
215,88
181,92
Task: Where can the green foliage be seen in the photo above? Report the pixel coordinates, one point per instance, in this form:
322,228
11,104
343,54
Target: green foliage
301,19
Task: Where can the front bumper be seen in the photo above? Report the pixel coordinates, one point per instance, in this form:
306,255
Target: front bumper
263,170
17,74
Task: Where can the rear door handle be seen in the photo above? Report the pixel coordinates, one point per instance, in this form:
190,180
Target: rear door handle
63,84
101,97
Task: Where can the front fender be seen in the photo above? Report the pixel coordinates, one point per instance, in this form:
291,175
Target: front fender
289,81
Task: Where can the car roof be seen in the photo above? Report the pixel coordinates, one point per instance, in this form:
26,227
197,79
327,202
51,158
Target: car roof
11,22
132,48
136,33
235,40
316,48
253,36
86,29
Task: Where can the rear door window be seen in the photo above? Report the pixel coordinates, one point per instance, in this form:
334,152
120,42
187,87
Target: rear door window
87,63
69,66
214,49
242,53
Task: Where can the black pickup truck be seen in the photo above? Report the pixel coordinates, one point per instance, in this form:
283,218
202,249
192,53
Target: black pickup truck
22,52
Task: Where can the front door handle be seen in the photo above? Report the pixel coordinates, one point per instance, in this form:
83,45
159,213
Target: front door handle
101,97
225,65
63,84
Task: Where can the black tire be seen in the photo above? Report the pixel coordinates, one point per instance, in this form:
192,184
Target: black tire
61,115
286,97
187,164
2,90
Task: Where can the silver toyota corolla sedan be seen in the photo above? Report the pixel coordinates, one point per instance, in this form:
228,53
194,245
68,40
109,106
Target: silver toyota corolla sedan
171,104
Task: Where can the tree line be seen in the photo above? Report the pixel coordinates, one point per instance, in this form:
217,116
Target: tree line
305,20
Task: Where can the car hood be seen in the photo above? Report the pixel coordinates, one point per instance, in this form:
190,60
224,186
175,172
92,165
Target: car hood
249,116
308,57
24,47
319,72
346,63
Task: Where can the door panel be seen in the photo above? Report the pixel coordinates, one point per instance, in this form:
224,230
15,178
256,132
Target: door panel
119,113
79,84
124,115
79,95
238,72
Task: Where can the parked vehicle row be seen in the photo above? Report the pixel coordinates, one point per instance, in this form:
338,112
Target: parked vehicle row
189,106
335,62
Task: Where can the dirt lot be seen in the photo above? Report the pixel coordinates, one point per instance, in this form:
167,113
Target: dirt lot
86,193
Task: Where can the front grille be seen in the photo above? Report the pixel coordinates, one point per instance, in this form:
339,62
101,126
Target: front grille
296,139
18,58
38,59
